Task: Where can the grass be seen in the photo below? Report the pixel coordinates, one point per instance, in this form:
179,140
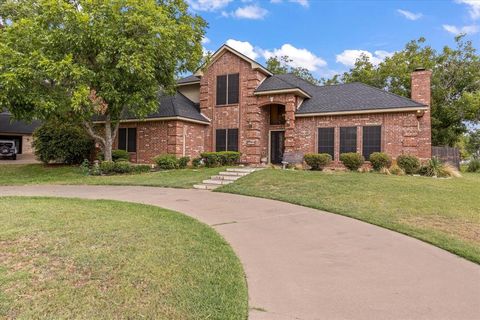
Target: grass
41,174
443,212
85,259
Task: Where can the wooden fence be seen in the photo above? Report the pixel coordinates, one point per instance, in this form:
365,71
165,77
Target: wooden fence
447,154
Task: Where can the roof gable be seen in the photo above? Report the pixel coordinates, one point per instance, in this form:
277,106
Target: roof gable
225,48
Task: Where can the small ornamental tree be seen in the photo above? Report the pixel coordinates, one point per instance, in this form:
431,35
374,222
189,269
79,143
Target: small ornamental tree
100,59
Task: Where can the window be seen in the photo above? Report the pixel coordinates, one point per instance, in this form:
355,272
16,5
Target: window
227,89
127,139
326,141
226,140
277,114
372,140
348,139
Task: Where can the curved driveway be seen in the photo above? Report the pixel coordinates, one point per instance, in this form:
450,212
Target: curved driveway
303,263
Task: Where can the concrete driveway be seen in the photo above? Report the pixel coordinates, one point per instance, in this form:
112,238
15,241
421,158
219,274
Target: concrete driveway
308,264
21,159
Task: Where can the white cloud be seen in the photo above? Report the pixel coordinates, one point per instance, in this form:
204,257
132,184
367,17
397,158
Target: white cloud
474,7
303,3
300,57
349,57
205,40
458,30
249,12
410,15
244,47
208,5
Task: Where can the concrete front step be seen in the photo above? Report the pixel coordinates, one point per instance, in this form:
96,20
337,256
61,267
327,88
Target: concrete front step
242,170
231,173
226,177
206,186
219,181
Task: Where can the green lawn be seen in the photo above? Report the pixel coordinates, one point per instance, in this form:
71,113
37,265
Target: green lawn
444,212
85,259
40,174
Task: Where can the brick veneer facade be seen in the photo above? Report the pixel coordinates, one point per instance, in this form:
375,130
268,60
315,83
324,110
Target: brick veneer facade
402,132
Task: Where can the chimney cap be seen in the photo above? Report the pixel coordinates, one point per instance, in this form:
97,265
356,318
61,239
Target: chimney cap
420,69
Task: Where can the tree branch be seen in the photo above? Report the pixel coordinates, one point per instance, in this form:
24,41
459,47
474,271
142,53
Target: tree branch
92,133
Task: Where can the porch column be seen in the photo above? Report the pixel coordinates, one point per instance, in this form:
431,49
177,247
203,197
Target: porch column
290,155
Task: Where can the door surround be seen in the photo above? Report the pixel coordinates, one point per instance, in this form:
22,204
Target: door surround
270,143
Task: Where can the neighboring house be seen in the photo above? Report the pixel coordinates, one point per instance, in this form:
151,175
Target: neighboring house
236,104
19,131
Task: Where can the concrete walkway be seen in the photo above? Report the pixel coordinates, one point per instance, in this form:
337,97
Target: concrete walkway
308,264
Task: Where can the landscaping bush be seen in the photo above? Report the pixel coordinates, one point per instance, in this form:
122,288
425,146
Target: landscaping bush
62,142
141,168
223,158
107,167
182,162
474,165
380,160
317,161
435,168
396,170
197,162
352,160
166,161
410,164
120,155
122,167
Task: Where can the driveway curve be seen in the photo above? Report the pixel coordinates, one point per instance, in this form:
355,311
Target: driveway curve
304,264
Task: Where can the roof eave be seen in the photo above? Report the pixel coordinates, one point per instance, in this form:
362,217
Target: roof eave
160,119
366,111
297,91
188,83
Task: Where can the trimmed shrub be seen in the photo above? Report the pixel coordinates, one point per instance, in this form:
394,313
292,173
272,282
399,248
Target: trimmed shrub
122,167
396,170
182,162
141,168
229,158
211,159
410,164
107,167
120,155
166,161
380,160
197,162
223,158
62,142
317,161
352,160
474,165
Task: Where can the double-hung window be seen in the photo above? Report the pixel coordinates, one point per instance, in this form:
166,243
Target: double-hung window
372,140
127,139
348,139
227,89
326,141
226,140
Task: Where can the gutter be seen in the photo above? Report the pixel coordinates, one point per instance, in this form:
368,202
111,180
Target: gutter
160,119
338,113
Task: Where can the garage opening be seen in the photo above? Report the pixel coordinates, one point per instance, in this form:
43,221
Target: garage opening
17,139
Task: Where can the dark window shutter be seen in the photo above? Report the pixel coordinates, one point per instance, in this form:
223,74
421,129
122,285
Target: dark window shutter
132,140
233,88
326,141
122,139
348,139
232,140
372,140
221,90
221,140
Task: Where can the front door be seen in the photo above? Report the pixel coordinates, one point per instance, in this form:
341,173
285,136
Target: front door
277,146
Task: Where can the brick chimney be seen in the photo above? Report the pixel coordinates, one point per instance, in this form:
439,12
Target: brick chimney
421,93
421,86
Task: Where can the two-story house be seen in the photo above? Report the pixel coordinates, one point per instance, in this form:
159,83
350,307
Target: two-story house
236,104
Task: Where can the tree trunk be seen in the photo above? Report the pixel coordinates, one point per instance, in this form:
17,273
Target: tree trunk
107,148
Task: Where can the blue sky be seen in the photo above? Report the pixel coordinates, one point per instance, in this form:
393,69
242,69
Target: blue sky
326,36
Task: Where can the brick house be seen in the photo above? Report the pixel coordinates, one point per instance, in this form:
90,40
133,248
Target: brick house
236,104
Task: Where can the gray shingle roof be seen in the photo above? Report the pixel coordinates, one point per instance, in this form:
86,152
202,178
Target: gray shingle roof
191,78
20,127
176,106
337,98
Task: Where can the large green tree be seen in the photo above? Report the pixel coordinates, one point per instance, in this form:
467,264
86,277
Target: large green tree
282,65
96,58
455,83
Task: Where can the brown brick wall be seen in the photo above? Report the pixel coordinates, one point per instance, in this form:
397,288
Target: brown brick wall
161,137
421,92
